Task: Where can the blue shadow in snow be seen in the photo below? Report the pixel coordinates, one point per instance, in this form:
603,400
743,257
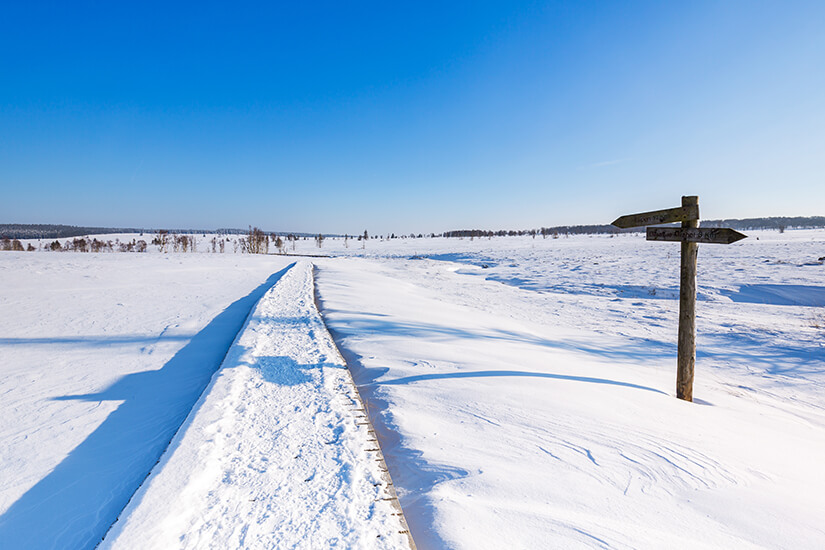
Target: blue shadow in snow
94,341
762,348
285,371
74,505
467,259
408,467
410,470
778,295
754,348
498,373
629,352
631,292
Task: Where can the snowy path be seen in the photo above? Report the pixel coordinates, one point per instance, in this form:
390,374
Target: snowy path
276,454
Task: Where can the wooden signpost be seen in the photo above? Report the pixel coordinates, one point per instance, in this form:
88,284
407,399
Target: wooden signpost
690,235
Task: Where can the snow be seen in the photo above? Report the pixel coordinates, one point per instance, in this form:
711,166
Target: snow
540,412
522,391
274,451
103,356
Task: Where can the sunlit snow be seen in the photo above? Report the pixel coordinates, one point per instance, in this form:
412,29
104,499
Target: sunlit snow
522,390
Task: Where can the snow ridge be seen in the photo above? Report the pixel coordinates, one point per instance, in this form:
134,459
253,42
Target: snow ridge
276,454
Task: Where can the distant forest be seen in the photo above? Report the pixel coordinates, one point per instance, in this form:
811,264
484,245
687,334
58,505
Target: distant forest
55,231
777,223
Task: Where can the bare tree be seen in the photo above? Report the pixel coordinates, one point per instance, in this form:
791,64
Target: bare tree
78,245
257,241
161,240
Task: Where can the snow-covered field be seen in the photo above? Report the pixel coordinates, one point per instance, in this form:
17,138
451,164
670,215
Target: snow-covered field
522,390
103,356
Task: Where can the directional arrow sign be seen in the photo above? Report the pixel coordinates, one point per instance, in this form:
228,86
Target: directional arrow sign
689,235
712,235
679,214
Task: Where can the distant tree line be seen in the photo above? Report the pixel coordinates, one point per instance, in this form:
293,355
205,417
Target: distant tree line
542,232
58,231
777,223
55,231
257,241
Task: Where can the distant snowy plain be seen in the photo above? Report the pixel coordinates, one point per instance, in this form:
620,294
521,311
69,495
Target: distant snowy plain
522,389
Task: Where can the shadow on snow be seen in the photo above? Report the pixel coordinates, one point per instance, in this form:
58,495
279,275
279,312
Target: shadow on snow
778,295
413,475
499,373
74,505
94,341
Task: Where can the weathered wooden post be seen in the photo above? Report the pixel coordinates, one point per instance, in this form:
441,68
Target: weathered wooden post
686,346
690,235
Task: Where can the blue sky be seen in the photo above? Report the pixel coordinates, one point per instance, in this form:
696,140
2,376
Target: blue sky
408,117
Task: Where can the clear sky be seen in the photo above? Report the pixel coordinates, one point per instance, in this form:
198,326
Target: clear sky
408,116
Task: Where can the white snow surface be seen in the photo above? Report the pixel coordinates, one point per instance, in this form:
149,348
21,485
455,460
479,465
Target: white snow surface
275,455
540,413
522,390
103,356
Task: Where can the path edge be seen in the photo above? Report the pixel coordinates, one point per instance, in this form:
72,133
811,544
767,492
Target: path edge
393,498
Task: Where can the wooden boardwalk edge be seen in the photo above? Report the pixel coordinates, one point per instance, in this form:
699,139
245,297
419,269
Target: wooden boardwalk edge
356,395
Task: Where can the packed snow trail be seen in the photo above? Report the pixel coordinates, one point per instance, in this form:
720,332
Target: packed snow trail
276,454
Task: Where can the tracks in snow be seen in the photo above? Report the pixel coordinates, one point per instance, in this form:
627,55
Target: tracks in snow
278,452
